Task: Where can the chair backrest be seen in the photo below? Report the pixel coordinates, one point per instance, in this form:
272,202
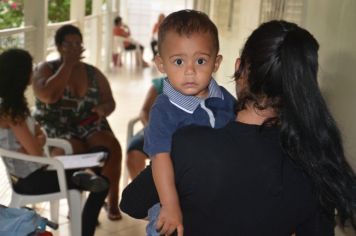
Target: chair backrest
118,44
73,196
57,165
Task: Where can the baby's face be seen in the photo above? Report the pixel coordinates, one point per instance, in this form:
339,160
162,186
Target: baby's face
189,62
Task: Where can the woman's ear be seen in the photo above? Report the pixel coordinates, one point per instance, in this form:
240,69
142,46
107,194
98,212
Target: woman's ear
237,63
159,63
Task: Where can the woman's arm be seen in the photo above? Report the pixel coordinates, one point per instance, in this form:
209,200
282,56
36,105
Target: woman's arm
26,139
49,86
40,135
147,105
106,103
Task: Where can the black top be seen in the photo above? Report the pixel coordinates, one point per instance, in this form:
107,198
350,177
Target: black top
235,181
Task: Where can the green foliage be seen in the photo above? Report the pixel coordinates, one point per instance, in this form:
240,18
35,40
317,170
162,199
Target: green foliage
11,13
58,10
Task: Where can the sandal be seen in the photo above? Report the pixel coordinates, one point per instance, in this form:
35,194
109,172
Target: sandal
113,212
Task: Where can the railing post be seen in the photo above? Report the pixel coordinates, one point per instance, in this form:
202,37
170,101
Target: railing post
35,14
108,35
77,12
96,33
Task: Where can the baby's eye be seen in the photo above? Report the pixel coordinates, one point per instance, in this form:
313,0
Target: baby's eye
201,61
178,62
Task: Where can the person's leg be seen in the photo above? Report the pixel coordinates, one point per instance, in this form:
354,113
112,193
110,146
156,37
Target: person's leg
111,169
136,162
153,214
42,182
77,146
139,55
115,56
136,158
91,212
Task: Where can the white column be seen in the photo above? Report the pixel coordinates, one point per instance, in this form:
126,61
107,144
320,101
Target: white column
116,7
108,35
35,14
96,33
77,12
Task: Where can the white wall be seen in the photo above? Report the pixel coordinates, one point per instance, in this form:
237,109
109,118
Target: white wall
333,24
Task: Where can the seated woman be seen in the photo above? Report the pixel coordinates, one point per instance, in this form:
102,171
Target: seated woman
122,30
136,157
154,39
18,132
279,168
73,100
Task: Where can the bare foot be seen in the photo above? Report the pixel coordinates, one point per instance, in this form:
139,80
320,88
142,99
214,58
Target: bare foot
113,212
145,64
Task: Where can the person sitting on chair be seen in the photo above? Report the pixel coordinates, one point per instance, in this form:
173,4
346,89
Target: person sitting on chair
136,157
123,30
73,100
18,132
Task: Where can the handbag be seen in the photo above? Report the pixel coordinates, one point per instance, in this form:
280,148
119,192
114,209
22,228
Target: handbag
22,222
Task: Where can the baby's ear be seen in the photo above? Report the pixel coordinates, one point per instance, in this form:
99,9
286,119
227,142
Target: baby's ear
159,63
217,62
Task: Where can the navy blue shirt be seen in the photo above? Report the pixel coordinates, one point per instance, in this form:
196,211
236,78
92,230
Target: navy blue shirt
173,110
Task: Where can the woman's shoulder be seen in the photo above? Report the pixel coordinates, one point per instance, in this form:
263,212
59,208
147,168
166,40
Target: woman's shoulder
51,66
4,123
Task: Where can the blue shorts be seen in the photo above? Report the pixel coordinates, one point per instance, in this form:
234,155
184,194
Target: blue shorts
136,143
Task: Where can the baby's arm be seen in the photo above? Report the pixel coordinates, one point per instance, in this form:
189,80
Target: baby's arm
27,140
170,217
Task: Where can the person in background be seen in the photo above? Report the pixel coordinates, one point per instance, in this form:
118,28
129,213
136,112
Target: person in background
188,46
123,30
136,157
154,40
73,100
279,168
18,132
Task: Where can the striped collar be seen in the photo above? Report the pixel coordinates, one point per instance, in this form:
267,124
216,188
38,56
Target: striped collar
189,103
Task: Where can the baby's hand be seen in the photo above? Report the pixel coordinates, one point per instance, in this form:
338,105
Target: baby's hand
169,220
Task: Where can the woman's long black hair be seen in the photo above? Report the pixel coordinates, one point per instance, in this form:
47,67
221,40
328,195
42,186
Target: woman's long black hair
281,61
15,74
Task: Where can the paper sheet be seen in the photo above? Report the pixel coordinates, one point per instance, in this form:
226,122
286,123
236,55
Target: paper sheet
82,160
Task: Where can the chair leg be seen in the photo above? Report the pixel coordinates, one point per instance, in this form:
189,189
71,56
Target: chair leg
54,208
75,206
16,200
138,55
125,173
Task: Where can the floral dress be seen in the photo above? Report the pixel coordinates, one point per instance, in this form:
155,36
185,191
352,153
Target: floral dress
71,116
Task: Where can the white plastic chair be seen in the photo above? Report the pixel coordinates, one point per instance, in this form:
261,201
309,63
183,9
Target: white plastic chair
119,47
73,196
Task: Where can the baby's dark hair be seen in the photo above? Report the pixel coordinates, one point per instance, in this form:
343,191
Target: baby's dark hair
15,74
187,22
64,31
